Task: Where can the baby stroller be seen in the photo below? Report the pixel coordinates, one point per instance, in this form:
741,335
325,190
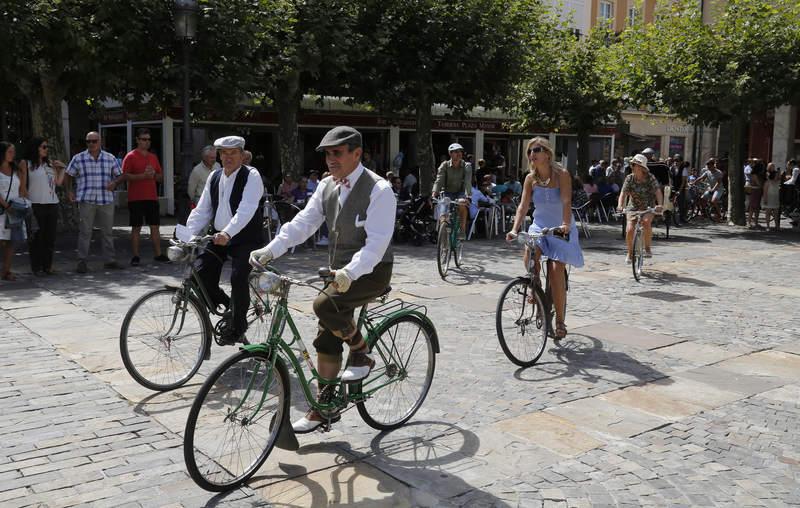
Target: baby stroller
415,222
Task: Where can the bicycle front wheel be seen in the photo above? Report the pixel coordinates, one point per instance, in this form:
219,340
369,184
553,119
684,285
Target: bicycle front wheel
405,361
638,255
443,248
163,339
458,250
235,420
522,322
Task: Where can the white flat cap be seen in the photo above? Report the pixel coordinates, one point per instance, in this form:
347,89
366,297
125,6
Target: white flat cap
230,142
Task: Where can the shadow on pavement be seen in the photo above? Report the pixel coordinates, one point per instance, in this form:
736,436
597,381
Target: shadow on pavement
667,279
581,356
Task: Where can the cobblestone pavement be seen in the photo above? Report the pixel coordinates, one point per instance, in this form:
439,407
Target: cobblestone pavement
681,390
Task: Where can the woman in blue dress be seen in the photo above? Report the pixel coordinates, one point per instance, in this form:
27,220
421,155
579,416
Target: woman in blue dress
550,185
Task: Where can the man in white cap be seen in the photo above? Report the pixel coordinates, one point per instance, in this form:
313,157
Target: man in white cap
231,203
454,180
359,208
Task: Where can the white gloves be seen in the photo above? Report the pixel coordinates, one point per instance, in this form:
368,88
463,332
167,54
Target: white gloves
260,257
342,281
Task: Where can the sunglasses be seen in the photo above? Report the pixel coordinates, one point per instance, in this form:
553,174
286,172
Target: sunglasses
535,149
143,139
91,141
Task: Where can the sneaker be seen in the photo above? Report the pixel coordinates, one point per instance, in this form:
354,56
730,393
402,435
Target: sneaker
135,261
627,260
112,265
359,366
323,240
81,267
161,258
648,254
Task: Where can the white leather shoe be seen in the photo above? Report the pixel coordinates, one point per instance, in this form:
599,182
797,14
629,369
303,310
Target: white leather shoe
305,425
311,422
359,367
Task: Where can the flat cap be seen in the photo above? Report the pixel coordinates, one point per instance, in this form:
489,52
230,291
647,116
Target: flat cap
230,142
341,135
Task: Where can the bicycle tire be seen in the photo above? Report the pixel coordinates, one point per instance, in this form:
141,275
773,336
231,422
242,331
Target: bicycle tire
515,313
145,354
637,259
458,251
667,221
397,341
443,251
223,415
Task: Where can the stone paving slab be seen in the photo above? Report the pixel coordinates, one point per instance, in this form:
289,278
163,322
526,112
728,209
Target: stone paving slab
606,418
650,399
766,363
732,381
549,431
628,335
694,352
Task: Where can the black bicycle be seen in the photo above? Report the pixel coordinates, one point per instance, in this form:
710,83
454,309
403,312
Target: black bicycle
524,316
166,334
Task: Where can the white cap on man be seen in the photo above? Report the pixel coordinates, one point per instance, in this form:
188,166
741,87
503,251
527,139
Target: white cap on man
454,147
230,142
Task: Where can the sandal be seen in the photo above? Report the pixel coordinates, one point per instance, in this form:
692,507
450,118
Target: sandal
561,330
9,276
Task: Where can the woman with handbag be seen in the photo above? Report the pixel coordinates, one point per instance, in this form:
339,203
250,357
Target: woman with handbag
10,189
43,176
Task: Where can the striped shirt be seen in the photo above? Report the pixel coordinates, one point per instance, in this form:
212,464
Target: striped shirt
93,176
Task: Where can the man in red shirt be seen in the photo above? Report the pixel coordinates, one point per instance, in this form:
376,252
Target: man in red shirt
142,171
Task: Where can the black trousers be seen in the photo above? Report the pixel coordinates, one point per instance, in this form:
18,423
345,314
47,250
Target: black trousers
210,269
42,243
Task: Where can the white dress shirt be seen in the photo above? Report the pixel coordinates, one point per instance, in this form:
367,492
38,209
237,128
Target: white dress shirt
225,221
379,224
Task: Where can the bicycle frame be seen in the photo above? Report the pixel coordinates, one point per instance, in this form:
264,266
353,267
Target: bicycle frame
275,346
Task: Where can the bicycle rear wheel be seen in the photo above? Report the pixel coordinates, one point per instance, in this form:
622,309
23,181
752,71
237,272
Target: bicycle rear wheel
522,322
405,361
443,249
163,339
235,420
638,255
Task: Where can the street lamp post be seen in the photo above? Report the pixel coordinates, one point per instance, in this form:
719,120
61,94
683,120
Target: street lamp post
185,31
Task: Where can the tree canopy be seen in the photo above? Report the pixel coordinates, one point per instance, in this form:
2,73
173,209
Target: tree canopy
570,83
746,61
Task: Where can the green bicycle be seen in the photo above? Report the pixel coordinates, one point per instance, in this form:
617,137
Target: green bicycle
448,242
242,410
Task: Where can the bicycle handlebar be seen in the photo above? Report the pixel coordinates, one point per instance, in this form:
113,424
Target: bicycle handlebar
528,239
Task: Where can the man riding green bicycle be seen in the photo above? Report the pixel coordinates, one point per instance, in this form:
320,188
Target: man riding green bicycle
358,207
454,180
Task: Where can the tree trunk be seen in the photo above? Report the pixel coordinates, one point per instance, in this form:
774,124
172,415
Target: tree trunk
736,197
425,157
583,152
287,102
45,102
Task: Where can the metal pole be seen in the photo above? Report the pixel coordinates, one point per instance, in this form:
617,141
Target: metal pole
186,138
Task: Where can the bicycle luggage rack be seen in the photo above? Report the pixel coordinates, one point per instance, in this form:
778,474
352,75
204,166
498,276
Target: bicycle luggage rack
385,310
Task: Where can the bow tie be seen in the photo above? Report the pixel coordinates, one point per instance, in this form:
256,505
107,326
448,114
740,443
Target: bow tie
342,181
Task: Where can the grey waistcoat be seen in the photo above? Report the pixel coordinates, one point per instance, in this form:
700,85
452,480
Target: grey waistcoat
345,238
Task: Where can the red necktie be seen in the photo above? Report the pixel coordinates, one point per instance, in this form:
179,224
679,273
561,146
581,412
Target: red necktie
342,181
